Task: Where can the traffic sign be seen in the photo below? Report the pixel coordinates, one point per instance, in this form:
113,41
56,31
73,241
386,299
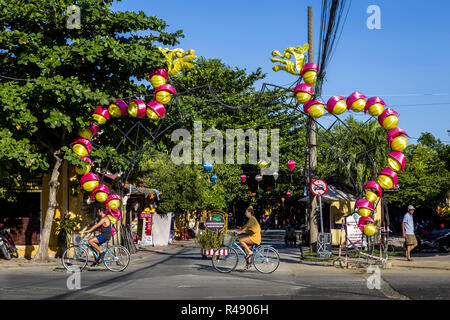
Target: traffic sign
319,187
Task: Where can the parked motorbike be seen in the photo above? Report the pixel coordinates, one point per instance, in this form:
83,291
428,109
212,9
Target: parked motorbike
437,240
7,246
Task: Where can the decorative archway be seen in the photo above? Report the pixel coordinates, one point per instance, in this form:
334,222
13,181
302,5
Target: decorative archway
303,93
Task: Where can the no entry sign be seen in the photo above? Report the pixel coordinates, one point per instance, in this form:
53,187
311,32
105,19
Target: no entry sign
319,187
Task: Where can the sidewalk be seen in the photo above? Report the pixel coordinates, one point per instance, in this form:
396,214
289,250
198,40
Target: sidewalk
143,252
429,260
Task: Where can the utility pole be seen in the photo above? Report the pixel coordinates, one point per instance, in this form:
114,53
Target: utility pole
311,154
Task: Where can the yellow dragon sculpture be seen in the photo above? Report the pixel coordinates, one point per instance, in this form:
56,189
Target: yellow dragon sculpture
183,61
289,66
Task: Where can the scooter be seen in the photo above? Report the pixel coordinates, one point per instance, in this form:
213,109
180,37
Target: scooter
7,246
437,240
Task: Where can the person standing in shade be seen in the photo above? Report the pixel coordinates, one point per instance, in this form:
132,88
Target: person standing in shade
408,232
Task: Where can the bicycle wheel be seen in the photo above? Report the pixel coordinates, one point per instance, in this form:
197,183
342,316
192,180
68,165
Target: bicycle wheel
116,258
225,259
266,259
75,258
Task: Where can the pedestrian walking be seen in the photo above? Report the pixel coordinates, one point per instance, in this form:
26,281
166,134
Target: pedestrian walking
408,232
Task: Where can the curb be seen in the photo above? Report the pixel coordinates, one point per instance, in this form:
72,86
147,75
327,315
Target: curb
53,265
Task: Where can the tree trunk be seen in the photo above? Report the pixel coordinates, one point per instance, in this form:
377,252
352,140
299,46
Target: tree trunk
42,253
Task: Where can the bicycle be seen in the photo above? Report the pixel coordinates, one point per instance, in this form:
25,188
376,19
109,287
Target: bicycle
265,259
76,257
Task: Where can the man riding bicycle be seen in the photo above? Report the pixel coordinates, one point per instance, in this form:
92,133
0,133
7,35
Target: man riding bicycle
253,229
105,228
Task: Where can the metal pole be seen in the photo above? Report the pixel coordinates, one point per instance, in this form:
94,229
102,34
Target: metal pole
312,145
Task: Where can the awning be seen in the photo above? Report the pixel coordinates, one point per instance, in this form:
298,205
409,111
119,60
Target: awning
334,194
141,190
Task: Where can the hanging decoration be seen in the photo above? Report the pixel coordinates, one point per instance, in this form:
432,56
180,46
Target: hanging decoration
309,73
397,140
89,181
375,106
356,102
214,178
336,105
80,170
100,193
388,119
275,177
258,178
243,177
291,166
373,191
118,109
314,108
303,92
295,67
207,166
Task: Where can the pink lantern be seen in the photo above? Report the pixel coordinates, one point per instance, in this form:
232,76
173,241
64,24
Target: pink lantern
373,185
155,110
288,193
163,93
396,139
113,201
137,108
101,115
291,166
362,222
397,160
336,105
100,193
89,181
258,178
243,178
356,101
375,106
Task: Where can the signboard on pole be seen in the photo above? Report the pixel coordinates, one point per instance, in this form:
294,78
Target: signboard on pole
215,222
319,187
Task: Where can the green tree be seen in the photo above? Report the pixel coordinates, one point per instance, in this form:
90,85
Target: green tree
425,182
53,77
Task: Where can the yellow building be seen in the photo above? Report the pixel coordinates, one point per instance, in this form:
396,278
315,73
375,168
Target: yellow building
25,217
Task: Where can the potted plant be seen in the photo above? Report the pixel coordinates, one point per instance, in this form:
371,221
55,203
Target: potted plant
65,230
209,241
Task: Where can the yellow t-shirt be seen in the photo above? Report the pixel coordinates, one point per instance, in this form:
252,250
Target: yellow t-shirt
253,230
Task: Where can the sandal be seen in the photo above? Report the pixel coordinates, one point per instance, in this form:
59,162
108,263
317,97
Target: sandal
249,259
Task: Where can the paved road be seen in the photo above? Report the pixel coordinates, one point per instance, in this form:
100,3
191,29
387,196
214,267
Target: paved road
180,273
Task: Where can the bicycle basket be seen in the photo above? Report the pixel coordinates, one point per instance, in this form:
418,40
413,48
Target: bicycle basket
77,239
227,240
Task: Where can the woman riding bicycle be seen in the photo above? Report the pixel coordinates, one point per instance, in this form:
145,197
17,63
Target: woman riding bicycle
253,229
105,228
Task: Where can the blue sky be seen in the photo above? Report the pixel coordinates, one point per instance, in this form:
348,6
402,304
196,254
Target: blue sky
406,62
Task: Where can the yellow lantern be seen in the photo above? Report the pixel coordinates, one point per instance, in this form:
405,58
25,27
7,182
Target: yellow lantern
396,161
82,147
137,108
371,196
309,73
163,94
356,102
387,178
151,114
375,106
158,78
117,109
85,133
113,201
388,119
101,196
100,193
114,204
112,219
163,97
89,181
101,115
376,109
364,212
336,105
303,97
370,229
399,144
80,170
314,108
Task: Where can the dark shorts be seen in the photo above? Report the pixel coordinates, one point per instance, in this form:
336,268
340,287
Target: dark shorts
101,239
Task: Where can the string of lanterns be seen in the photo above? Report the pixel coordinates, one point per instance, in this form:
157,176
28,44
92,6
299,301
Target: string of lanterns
136,108
387,118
